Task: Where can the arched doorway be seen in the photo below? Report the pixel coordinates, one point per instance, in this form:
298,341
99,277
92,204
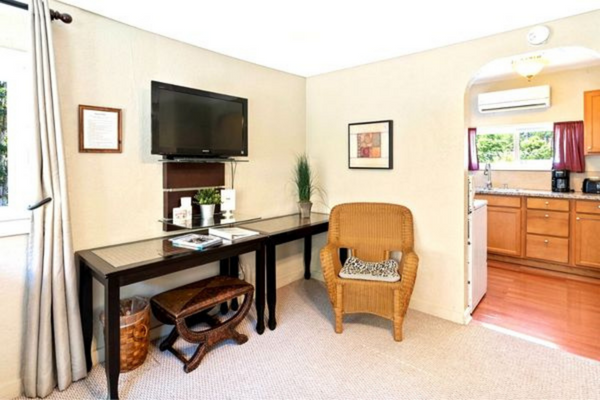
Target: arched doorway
517,142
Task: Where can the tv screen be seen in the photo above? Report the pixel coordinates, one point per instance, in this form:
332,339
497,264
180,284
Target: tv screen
196,123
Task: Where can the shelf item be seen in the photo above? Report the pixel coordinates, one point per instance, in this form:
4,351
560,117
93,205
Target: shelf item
219,220
232,233
195,241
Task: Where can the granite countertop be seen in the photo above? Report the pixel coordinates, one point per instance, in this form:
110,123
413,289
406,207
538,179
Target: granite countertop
538,193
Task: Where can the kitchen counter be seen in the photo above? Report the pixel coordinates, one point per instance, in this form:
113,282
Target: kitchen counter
538,193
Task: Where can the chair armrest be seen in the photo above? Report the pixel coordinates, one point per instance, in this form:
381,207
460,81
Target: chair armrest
331,265
409,266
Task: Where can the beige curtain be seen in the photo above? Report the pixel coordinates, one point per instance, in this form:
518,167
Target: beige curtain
53,341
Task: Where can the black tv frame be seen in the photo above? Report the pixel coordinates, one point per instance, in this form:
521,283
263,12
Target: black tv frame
172,153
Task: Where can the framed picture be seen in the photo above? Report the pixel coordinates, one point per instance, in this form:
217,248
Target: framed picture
370,145
99,129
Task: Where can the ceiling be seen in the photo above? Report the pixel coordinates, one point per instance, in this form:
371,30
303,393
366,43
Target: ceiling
311,37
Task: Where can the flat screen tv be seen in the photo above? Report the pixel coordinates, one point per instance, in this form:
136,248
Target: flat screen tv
189,122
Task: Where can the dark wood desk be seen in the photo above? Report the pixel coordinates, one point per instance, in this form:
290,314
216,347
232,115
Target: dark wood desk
282,230
125,264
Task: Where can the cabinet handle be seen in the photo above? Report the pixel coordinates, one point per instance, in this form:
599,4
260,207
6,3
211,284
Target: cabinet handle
577,218
598,205
547,202
546,242
546,216
589,147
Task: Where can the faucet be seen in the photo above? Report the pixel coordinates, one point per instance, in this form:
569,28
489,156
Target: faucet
488,173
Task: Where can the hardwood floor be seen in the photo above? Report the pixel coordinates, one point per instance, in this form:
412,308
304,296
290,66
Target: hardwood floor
559,309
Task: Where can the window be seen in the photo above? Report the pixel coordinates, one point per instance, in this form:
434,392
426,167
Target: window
15,138
516,147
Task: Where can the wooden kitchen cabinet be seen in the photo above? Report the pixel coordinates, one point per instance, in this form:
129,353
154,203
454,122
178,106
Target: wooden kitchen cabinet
587,234
504,230
591,121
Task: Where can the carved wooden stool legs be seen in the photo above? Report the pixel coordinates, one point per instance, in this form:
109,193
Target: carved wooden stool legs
188,305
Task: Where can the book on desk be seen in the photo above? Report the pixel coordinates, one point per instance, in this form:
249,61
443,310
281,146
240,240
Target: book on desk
231,233
195,241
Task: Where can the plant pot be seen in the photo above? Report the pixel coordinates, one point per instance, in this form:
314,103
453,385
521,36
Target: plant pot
208,211
304,207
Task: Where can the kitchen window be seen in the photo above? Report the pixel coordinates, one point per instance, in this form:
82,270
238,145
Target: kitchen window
516,147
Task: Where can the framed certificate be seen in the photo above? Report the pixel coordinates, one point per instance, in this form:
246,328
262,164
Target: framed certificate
99,129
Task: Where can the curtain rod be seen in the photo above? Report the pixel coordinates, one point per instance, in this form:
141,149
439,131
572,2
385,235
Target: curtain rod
66,18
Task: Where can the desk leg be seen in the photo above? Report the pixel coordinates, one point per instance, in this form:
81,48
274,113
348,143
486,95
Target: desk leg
260,290
271,284
112,331
234,270
307,255
224,270
86,310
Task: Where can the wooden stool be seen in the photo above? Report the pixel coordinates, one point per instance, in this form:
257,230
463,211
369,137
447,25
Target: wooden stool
190,304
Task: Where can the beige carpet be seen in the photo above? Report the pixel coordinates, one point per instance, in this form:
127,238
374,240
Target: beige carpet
304,359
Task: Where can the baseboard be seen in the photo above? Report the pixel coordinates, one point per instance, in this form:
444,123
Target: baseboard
12,389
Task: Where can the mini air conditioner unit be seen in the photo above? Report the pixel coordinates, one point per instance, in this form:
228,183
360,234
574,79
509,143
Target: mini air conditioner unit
515,99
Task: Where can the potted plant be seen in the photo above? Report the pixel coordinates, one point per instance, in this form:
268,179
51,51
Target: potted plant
208,198
305,184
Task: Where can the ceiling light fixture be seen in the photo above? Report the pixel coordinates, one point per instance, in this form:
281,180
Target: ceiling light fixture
529,67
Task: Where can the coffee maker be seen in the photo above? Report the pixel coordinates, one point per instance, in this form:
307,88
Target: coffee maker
560,180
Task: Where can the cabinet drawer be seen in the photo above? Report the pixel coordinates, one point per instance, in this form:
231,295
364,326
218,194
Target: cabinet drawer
548,223
548,204
548,248
590,207
501,201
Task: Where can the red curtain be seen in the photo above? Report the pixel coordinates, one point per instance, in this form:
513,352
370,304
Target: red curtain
473,159
568,146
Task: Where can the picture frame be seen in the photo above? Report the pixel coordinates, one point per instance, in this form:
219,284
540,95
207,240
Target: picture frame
370,145
100,129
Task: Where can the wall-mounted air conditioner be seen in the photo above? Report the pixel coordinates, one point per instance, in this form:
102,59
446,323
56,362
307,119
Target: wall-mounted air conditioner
515,99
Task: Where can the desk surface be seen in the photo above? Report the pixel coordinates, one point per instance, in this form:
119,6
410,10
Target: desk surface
279,225
132,258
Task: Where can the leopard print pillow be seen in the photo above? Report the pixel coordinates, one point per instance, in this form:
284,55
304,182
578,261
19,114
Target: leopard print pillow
355,268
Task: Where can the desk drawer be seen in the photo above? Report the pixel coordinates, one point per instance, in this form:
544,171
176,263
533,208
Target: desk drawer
552,223
548,204
548,248
501,201
589,207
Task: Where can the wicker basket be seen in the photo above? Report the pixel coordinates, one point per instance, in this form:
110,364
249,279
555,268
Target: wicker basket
134,332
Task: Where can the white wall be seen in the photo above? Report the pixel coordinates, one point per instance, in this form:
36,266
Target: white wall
13,35
116,198
425,96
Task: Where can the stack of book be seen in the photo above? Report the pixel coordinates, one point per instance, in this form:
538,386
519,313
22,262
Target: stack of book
195,241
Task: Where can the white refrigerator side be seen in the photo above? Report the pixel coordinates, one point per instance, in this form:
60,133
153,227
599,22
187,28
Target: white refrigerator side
478,253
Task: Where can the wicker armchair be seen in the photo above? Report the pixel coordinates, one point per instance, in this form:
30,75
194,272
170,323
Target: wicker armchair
371,231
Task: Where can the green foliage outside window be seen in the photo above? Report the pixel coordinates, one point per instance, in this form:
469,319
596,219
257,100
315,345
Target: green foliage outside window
496,147
501,147
536,145
3,147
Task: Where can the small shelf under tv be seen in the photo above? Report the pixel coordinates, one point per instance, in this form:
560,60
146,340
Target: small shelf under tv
201,160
